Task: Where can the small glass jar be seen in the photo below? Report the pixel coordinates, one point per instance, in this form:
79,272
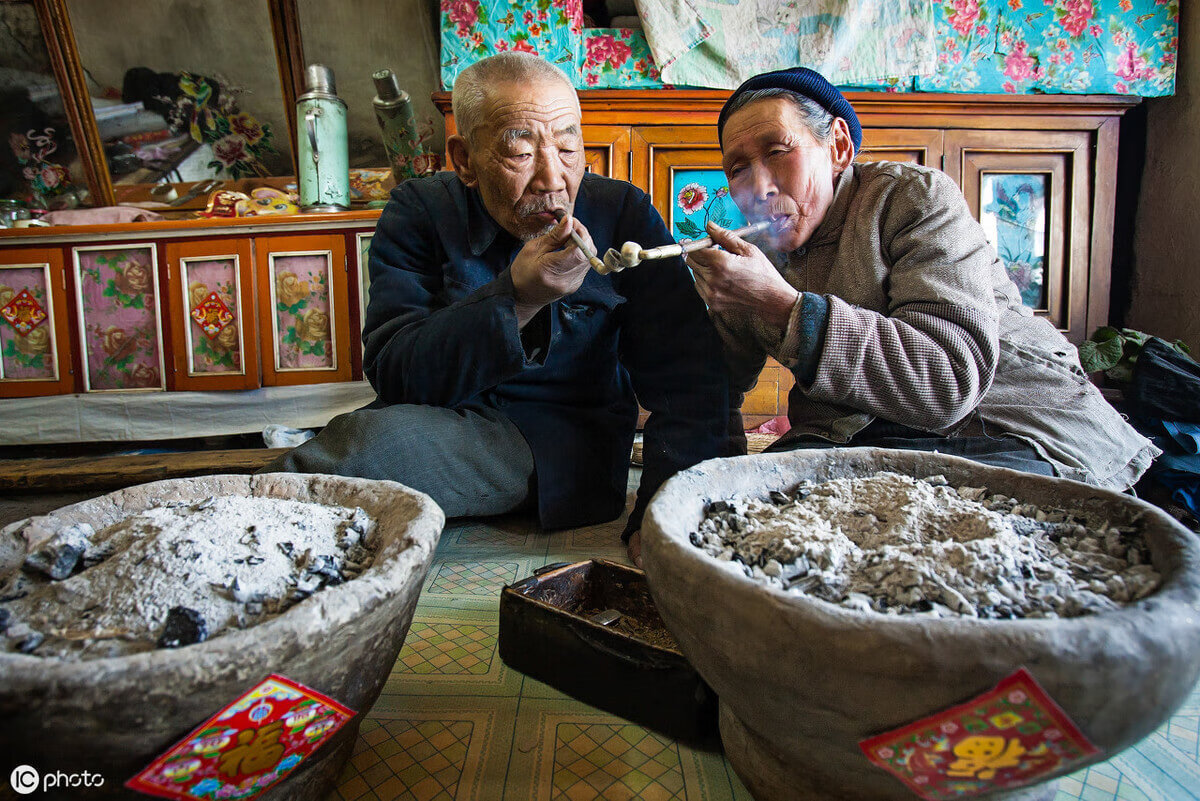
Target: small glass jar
12,210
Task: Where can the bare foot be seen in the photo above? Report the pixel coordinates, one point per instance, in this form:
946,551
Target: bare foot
634,548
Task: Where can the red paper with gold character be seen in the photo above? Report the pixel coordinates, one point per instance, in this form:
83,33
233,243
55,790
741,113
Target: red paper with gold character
211,314
1011,736
23,312
248,746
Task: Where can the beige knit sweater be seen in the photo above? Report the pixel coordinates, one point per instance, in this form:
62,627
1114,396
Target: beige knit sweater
926,329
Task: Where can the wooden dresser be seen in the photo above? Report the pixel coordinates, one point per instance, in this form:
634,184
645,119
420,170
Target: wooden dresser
276,301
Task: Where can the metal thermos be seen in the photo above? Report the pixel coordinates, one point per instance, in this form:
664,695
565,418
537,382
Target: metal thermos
393,109
324,151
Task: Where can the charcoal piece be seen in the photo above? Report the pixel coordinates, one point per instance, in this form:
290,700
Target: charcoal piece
29,643
55,559
779,498
5,619
184,627
326,567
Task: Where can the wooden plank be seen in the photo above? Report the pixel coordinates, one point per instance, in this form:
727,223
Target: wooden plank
115,472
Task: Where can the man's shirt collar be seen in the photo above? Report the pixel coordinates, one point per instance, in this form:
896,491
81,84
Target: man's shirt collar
481,228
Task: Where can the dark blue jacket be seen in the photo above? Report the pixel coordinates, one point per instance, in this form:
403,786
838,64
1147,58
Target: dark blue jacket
441,330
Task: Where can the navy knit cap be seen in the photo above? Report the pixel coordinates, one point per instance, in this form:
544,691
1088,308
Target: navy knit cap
803,81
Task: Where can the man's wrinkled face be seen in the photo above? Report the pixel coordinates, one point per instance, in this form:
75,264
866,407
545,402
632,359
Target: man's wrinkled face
527,156
779,171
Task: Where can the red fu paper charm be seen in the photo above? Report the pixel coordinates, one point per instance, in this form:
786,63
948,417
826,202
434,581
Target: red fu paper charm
1011,736
248,746
211,314
23,312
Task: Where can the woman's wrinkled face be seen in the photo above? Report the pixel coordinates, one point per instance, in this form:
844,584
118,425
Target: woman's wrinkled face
527,155
779,171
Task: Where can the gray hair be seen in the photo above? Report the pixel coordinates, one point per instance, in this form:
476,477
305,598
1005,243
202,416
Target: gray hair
816,118
473,84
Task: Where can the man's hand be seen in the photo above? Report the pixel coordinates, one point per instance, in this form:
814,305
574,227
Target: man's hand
634,548
741,279
545,270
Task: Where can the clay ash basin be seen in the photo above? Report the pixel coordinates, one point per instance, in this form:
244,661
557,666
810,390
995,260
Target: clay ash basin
113,715
802,681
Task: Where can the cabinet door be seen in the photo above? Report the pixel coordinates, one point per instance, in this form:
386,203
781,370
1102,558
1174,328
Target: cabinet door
1031,192
916,145
606,148
680,167
210,294
35,349
362,253
119,317
304,307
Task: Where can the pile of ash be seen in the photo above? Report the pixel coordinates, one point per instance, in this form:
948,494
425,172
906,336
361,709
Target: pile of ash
893,544
175,574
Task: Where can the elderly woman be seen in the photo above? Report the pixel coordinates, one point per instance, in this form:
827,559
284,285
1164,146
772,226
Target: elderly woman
879,291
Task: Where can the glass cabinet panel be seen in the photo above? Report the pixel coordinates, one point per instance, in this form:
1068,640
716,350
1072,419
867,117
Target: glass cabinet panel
116,292
1012,210
39,162
186,92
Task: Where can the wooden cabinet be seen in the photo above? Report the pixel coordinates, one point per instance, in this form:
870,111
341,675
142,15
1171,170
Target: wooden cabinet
183,306
132,306
210,297
916,145
118,316
35,341
304,308
1032,192
1039,172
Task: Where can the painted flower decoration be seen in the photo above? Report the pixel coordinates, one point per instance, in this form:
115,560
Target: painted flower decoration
230,150
143,376
197,292
115,341
314,327
290,290
246,127
133,278
693,196
227,340
35,342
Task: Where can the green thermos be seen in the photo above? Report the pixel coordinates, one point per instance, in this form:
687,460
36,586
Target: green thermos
394,111
324,151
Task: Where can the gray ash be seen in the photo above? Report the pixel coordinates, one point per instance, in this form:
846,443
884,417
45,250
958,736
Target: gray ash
176,574
897,545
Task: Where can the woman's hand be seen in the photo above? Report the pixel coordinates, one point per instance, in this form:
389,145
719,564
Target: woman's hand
740,278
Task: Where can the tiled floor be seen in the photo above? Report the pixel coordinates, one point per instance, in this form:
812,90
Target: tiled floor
454,723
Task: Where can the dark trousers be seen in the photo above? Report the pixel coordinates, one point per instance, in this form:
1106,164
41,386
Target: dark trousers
472,462
1002,451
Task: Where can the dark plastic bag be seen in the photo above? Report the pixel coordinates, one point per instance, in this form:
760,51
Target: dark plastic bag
1165,385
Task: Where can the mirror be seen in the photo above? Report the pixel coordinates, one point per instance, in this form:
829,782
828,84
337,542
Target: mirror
39,161
356,38
186,93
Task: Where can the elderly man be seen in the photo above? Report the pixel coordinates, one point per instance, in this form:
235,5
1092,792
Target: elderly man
505,368
880,292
